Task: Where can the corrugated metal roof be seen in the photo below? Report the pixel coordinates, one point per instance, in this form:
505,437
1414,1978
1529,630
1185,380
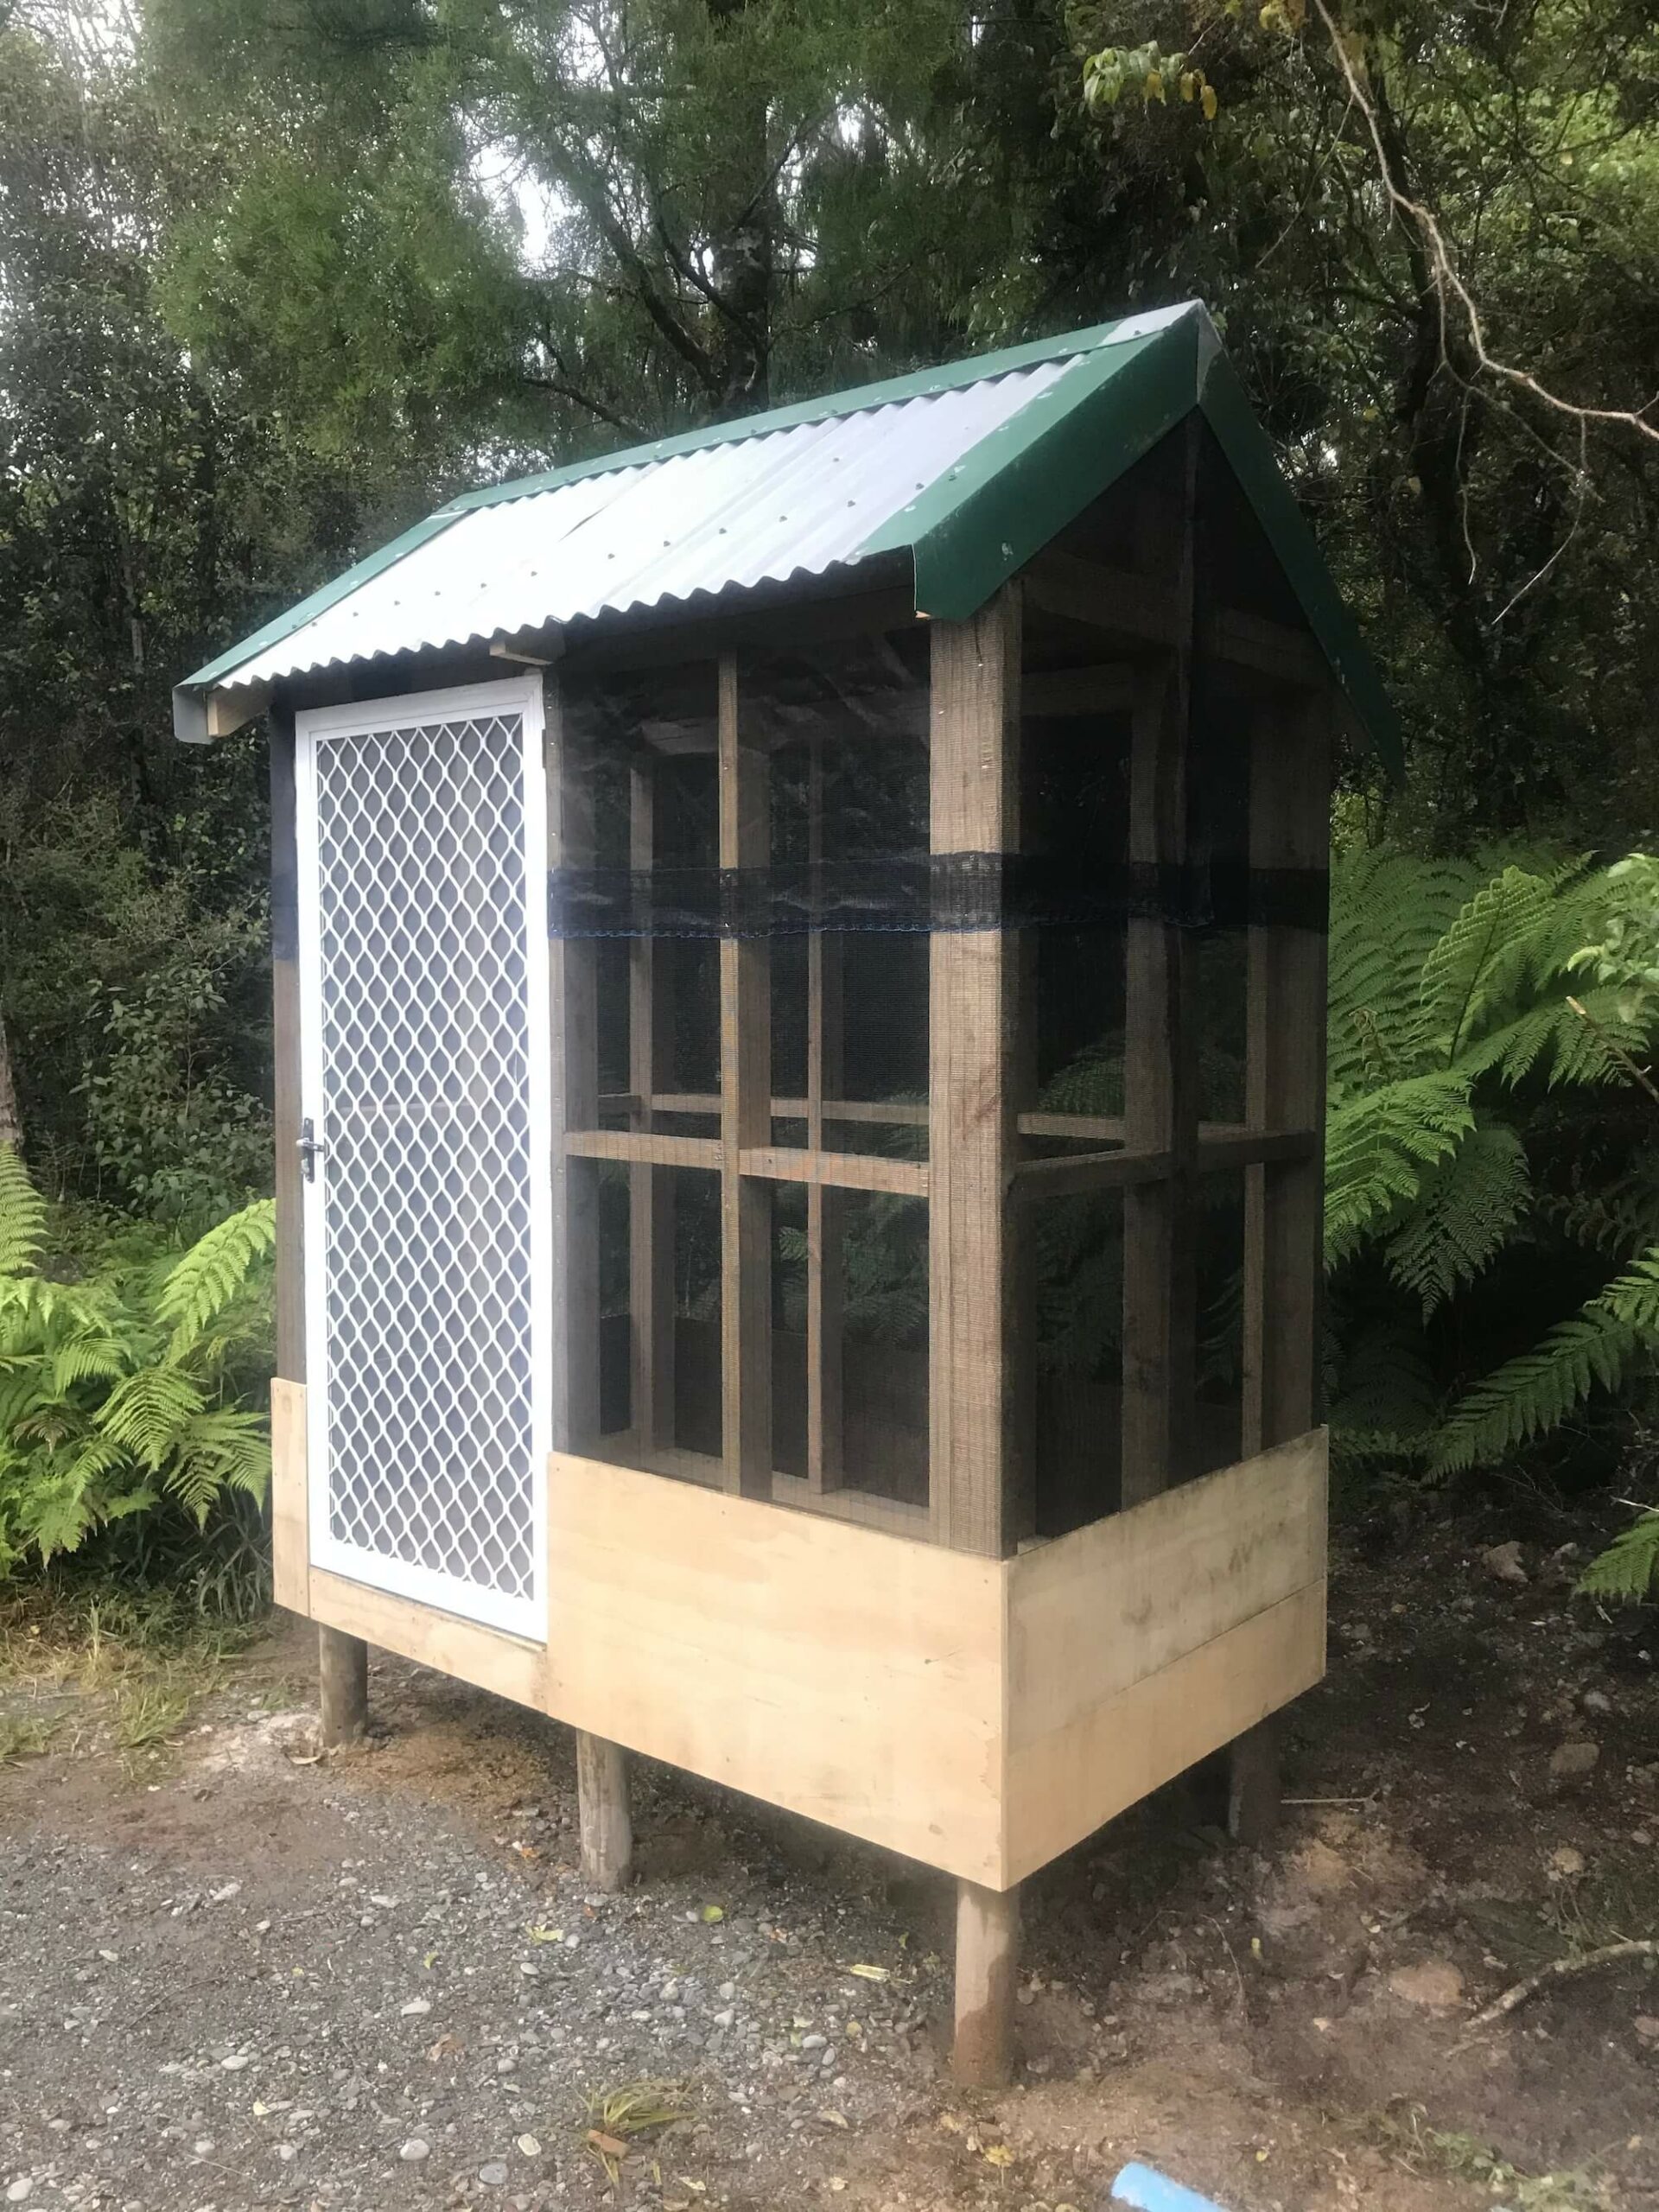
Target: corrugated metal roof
970,469
758,509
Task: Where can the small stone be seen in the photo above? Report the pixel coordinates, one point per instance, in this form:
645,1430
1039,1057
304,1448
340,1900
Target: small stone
813,2042
1436,1983
1566,1861
727,1991
20,2189
417,2147
1647,2027
1502,1562
1571,1762
235,2062
1596,1701
385,1903
285,2151
724,2018
530,2146
416,2006
494,2173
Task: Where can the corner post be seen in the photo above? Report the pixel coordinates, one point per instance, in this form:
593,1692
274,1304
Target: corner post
988,1965
979,1401
342,1660
603,1812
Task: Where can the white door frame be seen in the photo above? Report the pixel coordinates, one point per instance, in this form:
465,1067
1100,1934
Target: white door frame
522,1615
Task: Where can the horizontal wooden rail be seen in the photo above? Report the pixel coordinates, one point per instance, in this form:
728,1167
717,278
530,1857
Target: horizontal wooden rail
837,1171
656,1148
1254,1148
1088,1171
897,1113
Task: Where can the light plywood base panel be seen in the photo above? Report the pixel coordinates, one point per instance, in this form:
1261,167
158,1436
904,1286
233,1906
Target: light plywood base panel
981,1715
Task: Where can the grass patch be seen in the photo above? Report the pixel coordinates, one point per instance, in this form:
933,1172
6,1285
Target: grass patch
1405,2135
142,1658
616,2116
22,1739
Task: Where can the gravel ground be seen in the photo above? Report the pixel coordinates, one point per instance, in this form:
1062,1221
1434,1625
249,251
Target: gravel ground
271,1980
235,1974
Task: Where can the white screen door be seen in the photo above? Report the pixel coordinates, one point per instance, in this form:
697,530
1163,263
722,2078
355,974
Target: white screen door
421,834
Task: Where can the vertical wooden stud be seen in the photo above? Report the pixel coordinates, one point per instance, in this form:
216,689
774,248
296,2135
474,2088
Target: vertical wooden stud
987,1965
651,1194
573,1028
1290,830
343,1677
980,1479
1159,1045
603,1812
744,1116
825,1209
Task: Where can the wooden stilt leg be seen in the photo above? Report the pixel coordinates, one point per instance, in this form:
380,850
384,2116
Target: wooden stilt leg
1253,1784
343,1680
987,1964
602,1810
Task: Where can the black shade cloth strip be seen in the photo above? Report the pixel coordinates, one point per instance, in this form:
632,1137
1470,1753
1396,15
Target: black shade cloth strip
939,891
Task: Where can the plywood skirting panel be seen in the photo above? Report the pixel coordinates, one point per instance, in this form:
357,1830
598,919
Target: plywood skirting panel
290,1536
982,1715
1062,1786
840,1672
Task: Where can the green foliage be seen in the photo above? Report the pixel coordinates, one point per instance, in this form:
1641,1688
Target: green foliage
1628,1568
122,1393
1460,1056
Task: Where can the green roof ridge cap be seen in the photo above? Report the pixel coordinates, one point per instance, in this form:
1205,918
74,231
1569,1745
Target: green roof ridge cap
854,399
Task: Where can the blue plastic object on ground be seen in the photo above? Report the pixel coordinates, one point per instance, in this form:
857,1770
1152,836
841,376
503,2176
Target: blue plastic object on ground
1145,2191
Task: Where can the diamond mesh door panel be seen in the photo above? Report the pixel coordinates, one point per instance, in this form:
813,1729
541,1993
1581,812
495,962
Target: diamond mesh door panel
425,982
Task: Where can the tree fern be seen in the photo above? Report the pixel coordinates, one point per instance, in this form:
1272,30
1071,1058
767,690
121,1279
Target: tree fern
1380,1148
23,1217
1465,1209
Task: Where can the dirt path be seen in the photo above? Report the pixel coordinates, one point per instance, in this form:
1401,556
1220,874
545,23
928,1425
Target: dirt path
231,1977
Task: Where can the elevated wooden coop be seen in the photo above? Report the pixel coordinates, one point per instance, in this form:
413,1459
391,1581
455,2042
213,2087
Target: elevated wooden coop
799,1002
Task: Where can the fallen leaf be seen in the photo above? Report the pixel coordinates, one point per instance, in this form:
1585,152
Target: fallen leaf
525,1850
538,1932
872,1973
998,2154
713,1912
447,2046
609,2146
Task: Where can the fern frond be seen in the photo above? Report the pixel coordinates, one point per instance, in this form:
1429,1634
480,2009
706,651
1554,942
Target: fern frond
1388,911
1380,1146
214,1271
146,1413
1630,1566
221,1450
1633,1297
1465,1209
1478,965
85,1359
1528,1396
23,1214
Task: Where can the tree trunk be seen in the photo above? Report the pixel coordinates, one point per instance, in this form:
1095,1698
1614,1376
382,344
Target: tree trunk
11,1126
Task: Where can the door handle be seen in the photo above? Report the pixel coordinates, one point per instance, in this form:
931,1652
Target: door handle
310,1148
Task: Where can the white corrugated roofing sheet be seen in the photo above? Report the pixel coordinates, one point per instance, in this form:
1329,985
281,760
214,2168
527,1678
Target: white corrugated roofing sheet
752,510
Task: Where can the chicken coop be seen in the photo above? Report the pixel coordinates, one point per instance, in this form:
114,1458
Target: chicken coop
799,975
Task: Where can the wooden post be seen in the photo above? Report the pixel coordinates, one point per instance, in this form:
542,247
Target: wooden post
1160,1045
1253,1784
342,1660
603,1812
987,1965
980,1477
745,1116
1290,829
343,1679
573,1030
